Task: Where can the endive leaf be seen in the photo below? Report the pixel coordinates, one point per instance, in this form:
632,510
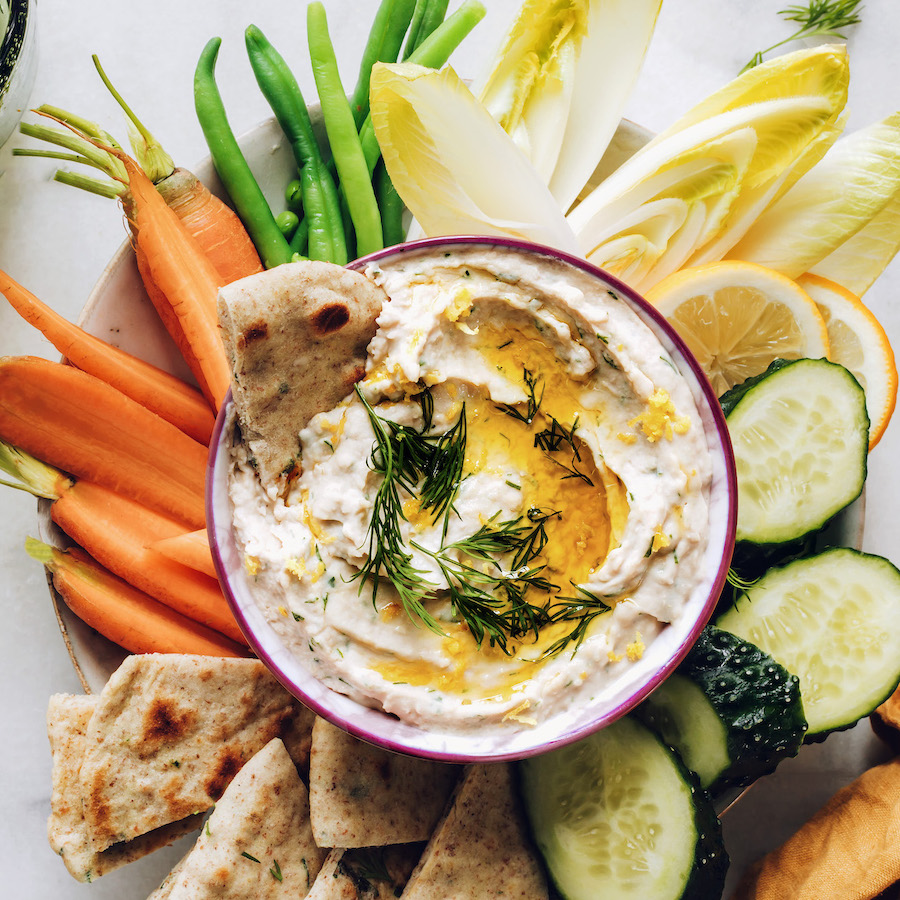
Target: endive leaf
854,182
752,139
862,258
455,168
561,79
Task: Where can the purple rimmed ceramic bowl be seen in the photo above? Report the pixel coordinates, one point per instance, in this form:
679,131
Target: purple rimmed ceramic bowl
619,696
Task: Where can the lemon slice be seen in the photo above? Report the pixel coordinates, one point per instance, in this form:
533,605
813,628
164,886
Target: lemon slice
737,317
859,343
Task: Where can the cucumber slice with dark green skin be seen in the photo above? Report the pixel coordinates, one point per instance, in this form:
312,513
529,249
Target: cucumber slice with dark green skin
618,816
834,621
730,710
800,434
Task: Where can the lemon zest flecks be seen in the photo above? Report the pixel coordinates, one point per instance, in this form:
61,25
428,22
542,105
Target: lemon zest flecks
627,437
660,539
612,656
659,420
283,611
635,650
296,567
252,565
515,714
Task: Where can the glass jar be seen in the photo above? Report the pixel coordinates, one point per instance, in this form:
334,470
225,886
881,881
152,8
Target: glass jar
18,61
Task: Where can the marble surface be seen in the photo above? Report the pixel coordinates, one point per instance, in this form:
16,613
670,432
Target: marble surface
57,241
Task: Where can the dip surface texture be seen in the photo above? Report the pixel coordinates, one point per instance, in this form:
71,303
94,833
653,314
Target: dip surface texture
506,512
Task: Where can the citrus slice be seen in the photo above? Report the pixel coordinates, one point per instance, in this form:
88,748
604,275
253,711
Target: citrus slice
859,343
737,317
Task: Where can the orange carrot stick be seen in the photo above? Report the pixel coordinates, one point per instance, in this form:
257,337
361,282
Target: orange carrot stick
190,548
215,225
160,392
120,612
186,277
78,423
116,531
168,318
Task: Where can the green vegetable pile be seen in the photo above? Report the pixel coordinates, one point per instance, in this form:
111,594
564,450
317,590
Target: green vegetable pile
342,203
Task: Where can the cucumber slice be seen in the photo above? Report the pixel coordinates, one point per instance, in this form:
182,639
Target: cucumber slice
618,816
730,711
800,438
834,621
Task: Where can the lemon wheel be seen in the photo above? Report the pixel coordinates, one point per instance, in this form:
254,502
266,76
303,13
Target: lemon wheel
859,343
737,317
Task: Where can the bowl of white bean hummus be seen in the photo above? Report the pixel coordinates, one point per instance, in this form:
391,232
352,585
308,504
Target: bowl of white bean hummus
506,532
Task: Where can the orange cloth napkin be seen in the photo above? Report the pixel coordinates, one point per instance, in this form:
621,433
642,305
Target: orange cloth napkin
849,850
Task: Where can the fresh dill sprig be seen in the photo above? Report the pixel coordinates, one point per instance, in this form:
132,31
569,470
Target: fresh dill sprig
532,399
490,598
581,609
387,553
553,439
818,19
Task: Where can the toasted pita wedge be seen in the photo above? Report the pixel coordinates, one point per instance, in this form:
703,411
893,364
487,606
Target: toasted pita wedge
370,873
363,796
67,722
481,848
257,842
296,338
168,735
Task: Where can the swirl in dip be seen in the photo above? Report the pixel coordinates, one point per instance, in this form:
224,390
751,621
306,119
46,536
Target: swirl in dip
503,515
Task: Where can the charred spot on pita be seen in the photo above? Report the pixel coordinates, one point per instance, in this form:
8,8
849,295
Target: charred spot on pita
227,766
165,721
254,333
331,318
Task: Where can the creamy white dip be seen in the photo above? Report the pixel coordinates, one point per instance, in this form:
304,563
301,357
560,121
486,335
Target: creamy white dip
574,413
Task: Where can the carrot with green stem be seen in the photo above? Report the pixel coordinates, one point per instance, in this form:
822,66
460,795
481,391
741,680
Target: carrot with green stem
212,222
185,276
120,533
77,423
123,614
157,390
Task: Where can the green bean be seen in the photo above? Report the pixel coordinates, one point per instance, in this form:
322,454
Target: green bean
300,240
231,165
385,39
320,197
342,134
433,52
391,207
428,15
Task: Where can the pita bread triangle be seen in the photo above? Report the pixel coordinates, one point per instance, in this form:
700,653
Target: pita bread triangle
481,848
68,716
257,841
296,339
368,873
364,796
168,734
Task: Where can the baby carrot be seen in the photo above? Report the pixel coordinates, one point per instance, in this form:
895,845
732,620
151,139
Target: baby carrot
119,533
186,277
120,612
158,391
80,424
190,548
214,224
